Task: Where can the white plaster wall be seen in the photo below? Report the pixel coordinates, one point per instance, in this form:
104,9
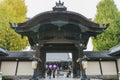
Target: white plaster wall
109,68
25,68
8,68
118,61
93,68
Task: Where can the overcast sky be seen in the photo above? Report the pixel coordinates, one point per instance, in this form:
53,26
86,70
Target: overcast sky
84,7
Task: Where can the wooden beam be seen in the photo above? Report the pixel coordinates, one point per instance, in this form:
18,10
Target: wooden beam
0,65
116,63
100,67
16,70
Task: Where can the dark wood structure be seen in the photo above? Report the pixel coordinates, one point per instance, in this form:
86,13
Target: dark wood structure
58,31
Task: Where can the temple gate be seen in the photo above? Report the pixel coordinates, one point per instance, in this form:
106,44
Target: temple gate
58,30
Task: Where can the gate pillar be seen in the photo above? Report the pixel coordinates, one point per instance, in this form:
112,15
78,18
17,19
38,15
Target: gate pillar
76,68
40,57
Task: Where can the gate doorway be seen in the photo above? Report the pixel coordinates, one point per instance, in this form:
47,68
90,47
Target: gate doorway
61,62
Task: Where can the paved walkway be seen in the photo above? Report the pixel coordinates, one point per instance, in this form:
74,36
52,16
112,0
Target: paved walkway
63,77
60,79
66,79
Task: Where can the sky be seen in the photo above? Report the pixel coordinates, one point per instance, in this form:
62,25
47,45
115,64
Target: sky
85,7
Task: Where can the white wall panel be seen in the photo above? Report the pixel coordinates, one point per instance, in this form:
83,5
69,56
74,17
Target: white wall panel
93,68
8,67
25,68
109,68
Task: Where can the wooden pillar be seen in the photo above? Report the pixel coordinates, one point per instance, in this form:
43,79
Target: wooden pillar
76,68
16,70
100,67
38,57
117,68
80,70
43,63
0,64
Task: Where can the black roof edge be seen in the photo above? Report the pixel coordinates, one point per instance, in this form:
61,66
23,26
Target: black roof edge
115,51
3,51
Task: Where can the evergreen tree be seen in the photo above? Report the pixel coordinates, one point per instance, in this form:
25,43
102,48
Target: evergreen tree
12,11
107,12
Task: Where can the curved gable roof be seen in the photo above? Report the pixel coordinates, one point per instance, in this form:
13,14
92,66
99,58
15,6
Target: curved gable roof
53,15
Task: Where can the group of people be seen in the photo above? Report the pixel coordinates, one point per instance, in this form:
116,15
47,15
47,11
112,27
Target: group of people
55,72
52,72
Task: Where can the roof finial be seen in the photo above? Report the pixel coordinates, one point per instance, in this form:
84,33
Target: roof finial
59,3
59,6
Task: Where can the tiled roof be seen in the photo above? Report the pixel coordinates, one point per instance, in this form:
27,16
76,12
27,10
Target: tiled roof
115,51
99,55
27,55
21,53
3,52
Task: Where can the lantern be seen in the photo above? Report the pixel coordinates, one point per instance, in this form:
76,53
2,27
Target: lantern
84,64
34,64
78,60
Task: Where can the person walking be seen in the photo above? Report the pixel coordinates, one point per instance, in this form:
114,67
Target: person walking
49,72
54,73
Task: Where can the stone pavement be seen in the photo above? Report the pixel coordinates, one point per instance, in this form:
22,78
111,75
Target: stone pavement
66,79
61,78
